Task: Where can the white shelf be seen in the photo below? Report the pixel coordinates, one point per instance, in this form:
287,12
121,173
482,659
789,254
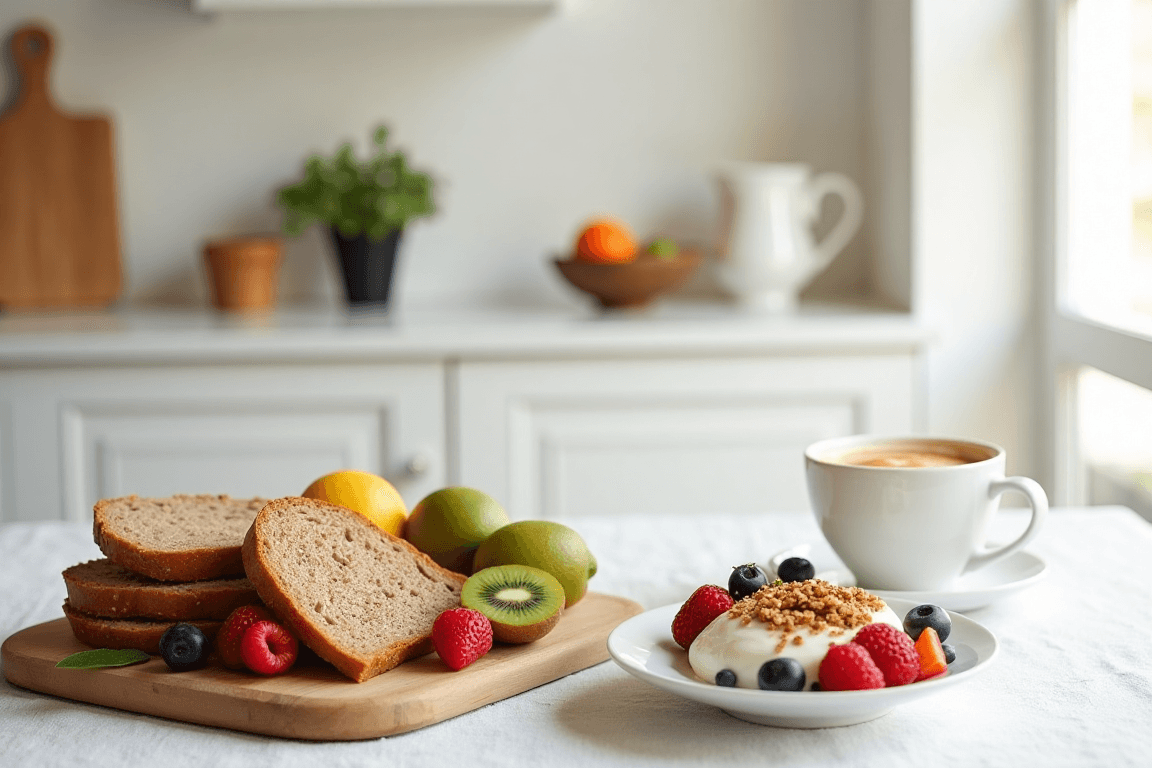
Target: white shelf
669,329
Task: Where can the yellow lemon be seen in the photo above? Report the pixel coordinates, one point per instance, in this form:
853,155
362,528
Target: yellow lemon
363,492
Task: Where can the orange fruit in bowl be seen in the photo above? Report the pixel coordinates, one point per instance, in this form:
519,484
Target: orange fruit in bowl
605,241
371,495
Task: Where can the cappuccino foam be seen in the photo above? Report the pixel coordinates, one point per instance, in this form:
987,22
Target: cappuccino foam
918,456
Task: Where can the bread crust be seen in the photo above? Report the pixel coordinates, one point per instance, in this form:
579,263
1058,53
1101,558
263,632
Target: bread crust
262,574
101,588
197,564
143,635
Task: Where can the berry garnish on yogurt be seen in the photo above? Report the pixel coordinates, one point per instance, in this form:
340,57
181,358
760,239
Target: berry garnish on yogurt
745,580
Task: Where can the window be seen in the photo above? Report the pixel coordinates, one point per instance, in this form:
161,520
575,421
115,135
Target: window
1096,240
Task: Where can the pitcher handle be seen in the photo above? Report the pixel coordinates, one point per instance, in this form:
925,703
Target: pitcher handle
850,219
1036,499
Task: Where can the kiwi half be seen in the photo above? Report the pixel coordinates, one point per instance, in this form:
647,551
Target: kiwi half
523,603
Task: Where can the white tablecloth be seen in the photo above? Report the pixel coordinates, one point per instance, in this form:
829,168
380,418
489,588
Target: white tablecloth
1072,685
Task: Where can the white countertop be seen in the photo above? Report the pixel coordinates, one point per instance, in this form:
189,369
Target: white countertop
436,333
1072,685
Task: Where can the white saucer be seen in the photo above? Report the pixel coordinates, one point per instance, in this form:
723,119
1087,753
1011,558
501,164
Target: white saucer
644,647
972,590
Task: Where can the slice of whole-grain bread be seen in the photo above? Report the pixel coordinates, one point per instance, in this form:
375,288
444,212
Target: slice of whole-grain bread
141,634
362,599
178,538
102,588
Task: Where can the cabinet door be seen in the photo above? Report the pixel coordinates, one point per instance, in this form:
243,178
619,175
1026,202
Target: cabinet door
76,436
566,438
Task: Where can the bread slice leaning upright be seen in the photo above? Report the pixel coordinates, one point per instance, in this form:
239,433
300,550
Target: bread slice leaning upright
362,599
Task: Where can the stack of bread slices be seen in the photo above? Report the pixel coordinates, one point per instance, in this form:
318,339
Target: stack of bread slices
359,597
167,560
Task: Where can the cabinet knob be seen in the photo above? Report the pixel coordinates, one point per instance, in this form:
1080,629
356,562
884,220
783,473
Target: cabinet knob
417,465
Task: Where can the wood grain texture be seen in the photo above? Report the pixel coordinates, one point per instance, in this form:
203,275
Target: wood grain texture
59,237
313,701
634,283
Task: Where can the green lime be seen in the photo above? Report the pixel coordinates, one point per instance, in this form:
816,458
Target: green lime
663,248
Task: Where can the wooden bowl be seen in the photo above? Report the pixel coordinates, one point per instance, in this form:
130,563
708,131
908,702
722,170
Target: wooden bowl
634,284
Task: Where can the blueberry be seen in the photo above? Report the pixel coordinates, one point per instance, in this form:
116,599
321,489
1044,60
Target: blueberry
949,653
795,569
184,647
782,674
726,678
745,580
927,615
815,687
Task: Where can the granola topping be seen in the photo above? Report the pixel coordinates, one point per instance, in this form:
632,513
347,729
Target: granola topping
814,605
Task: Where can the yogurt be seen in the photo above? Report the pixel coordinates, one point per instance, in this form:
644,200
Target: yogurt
741,645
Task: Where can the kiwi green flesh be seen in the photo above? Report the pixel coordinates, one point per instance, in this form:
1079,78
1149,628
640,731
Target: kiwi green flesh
523,603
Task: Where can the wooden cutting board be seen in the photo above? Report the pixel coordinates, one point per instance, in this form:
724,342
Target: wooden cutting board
59,238
314,701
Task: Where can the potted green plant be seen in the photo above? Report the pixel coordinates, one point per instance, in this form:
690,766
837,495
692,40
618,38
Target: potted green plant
366,205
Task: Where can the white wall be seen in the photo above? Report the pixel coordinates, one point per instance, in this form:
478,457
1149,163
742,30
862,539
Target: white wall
531,121
973,211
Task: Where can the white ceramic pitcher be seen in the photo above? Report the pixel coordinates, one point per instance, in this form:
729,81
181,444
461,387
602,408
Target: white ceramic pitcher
768,252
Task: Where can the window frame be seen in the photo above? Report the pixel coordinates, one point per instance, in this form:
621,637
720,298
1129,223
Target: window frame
1071,339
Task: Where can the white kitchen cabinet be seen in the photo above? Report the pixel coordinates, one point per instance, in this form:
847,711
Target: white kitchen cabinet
566,438
555,413
76,435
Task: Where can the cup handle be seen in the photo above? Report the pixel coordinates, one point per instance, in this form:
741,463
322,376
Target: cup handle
1039,502
850,219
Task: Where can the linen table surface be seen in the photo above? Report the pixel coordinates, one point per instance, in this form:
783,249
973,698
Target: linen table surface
1072,685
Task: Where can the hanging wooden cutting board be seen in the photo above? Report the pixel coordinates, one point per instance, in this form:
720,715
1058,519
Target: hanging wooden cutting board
59,237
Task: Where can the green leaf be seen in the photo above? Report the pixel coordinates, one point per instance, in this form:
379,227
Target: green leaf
103,657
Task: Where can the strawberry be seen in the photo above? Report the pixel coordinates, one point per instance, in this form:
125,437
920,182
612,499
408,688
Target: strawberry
705,604
848,667
933,662
268,648
460,636
892,651
232,632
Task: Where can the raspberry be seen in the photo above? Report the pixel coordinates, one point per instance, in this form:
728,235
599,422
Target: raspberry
848,667
268,648
232,632
892,651
705,604
461,635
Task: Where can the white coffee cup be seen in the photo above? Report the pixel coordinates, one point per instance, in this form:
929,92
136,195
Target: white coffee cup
900,524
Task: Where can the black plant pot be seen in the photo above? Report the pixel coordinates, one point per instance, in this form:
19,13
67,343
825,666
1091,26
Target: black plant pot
367,266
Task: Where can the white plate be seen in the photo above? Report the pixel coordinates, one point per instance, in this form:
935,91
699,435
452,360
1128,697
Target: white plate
644,647
972,590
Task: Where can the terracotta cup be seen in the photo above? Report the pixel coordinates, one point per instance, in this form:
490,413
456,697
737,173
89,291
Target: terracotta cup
244,271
